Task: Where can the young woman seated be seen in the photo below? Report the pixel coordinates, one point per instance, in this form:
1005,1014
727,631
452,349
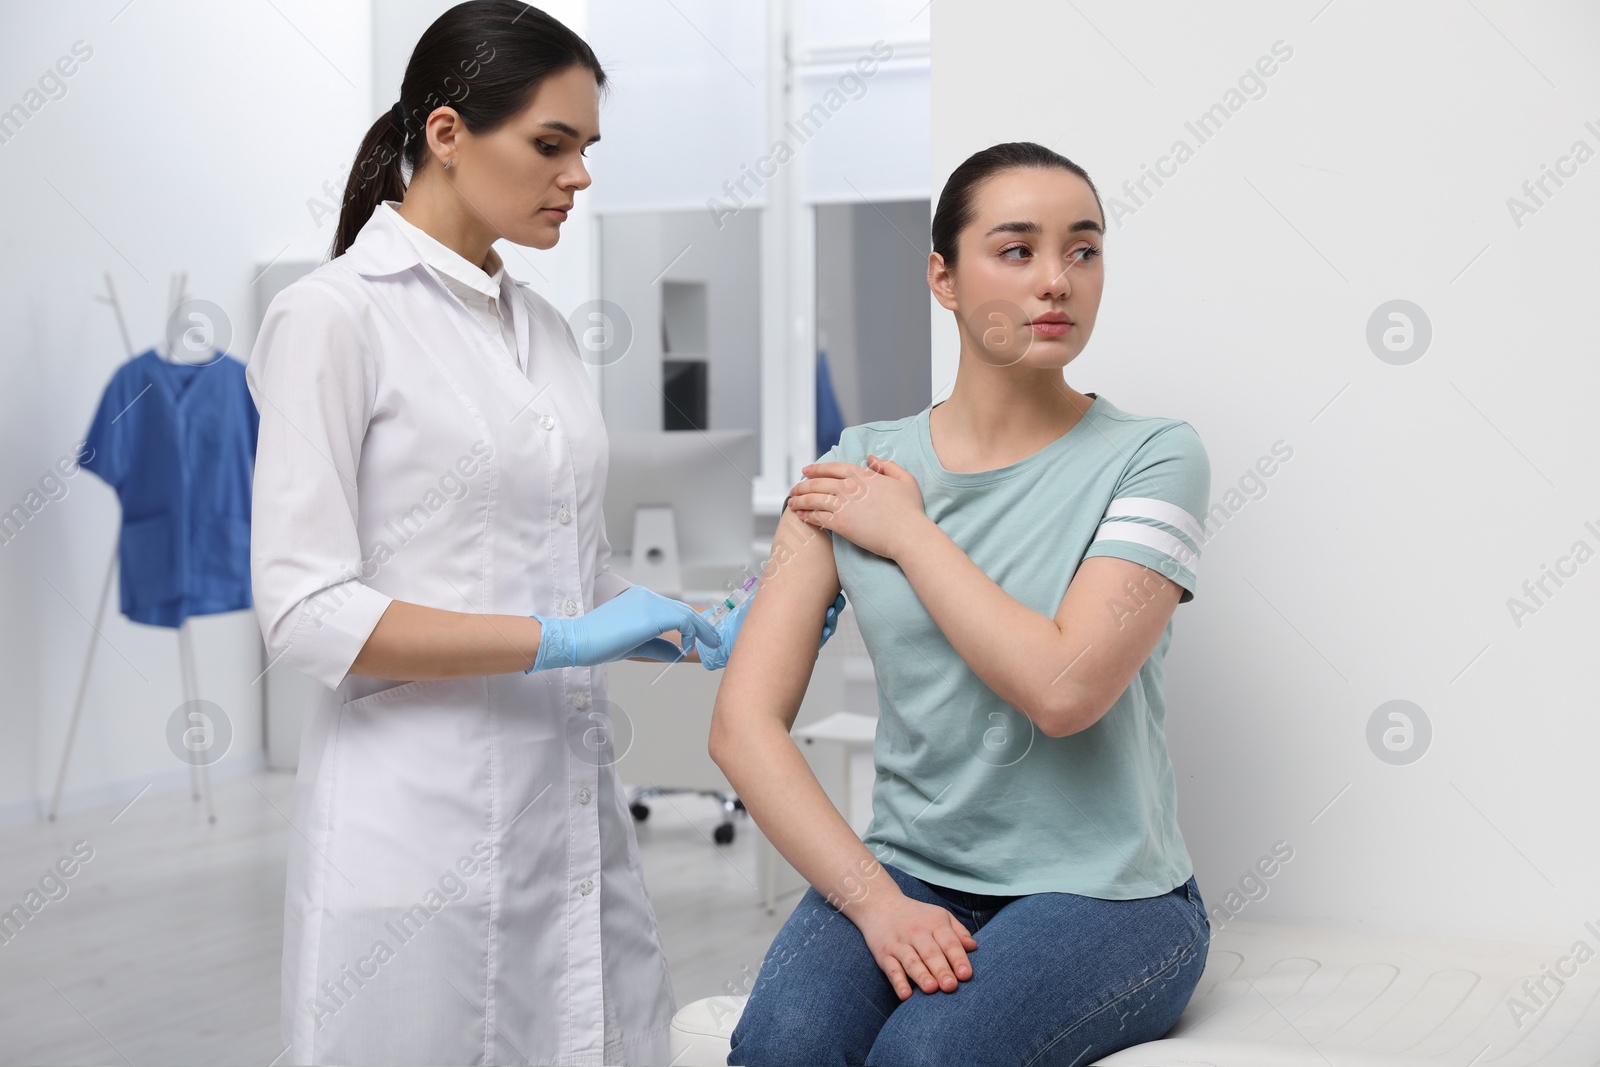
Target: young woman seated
1014,555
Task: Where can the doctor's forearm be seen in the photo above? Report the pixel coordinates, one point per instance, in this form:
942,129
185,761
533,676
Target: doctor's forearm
412,643
1015,650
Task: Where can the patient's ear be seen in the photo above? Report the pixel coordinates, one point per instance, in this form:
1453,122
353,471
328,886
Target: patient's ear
941,282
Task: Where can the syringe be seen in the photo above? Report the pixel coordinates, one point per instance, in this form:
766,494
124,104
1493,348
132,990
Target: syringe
730,603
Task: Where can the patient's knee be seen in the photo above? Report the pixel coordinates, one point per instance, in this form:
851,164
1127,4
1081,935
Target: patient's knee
787,1040
896,1046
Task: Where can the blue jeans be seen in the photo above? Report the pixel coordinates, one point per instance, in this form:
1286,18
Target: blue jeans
1057,979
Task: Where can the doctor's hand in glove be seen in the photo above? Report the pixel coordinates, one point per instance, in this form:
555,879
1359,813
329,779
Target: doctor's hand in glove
714,659
629,624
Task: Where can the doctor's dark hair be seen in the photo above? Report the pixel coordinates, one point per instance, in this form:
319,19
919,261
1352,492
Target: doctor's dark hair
955,210
486,59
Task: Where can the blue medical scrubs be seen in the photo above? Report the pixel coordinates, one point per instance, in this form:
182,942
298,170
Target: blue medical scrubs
177,441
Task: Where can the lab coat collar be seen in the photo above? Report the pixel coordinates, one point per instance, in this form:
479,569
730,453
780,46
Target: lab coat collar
381,248
446,260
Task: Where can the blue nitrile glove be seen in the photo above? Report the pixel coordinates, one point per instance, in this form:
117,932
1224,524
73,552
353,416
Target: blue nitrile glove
714,659
629,624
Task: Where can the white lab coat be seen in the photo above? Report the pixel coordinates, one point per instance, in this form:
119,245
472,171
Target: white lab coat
464,882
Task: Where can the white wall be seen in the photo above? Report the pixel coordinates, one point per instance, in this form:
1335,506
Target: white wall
191,138
1376,163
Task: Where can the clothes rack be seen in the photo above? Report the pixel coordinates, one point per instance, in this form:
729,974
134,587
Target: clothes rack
199,774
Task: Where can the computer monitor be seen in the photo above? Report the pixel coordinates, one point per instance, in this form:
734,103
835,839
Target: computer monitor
688,494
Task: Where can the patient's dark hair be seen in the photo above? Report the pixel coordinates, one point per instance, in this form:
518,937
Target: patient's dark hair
955,202
486,59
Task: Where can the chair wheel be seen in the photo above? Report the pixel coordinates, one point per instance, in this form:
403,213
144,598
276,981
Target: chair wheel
723,835
641,812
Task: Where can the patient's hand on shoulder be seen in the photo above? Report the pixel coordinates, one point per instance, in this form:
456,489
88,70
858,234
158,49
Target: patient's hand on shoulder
875,506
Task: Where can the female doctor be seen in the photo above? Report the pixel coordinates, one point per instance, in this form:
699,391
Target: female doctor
427,539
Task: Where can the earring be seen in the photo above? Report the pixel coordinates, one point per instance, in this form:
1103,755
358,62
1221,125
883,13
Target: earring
447,164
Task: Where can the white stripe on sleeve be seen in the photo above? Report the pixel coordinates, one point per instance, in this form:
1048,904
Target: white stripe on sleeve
1148,507
1150,537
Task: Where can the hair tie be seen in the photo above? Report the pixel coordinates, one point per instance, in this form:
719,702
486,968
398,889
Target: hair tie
397,115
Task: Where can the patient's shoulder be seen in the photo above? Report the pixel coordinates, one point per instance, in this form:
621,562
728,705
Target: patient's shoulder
878,438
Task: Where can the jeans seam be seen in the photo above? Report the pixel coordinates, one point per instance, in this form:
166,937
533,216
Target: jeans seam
1177,960
1197,909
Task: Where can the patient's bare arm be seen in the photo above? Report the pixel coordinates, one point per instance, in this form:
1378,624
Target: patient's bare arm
760,696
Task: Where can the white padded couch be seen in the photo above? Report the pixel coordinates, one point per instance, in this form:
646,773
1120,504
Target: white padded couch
1299,996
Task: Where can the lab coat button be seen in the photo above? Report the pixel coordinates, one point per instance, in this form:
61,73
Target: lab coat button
547,422
586,887
570,607
581,700
564,515
584,795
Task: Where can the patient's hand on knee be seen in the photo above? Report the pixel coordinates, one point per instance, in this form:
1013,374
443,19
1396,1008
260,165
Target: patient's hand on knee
914,942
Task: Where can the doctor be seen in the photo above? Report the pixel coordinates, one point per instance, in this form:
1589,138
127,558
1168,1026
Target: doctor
427,540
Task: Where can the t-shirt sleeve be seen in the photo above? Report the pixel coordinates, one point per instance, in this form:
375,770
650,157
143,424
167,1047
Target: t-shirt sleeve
105,450
1157,512
830,456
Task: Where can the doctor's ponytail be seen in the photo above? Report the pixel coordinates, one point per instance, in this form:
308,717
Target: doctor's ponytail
486,59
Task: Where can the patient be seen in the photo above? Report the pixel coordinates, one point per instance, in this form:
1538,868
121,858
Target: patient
1014,555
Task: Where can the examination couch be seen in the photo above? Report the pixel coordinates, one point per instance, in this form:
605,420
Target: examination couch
1305,996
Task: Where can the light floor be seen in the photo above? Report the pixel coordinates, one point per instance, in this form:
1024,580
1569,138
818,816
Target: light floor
165,948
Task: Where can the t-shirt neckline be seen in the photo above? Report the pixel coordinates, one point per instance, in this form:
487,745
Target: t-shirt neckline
179,391
950,477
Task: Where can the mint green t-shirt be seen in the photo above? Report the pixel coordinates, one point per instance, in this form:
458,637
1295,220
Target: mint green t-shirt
969,794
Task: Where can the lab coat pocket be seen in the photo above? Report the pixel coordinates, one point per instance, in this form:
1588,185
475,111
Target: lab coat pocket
148,556
392,691
410,789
